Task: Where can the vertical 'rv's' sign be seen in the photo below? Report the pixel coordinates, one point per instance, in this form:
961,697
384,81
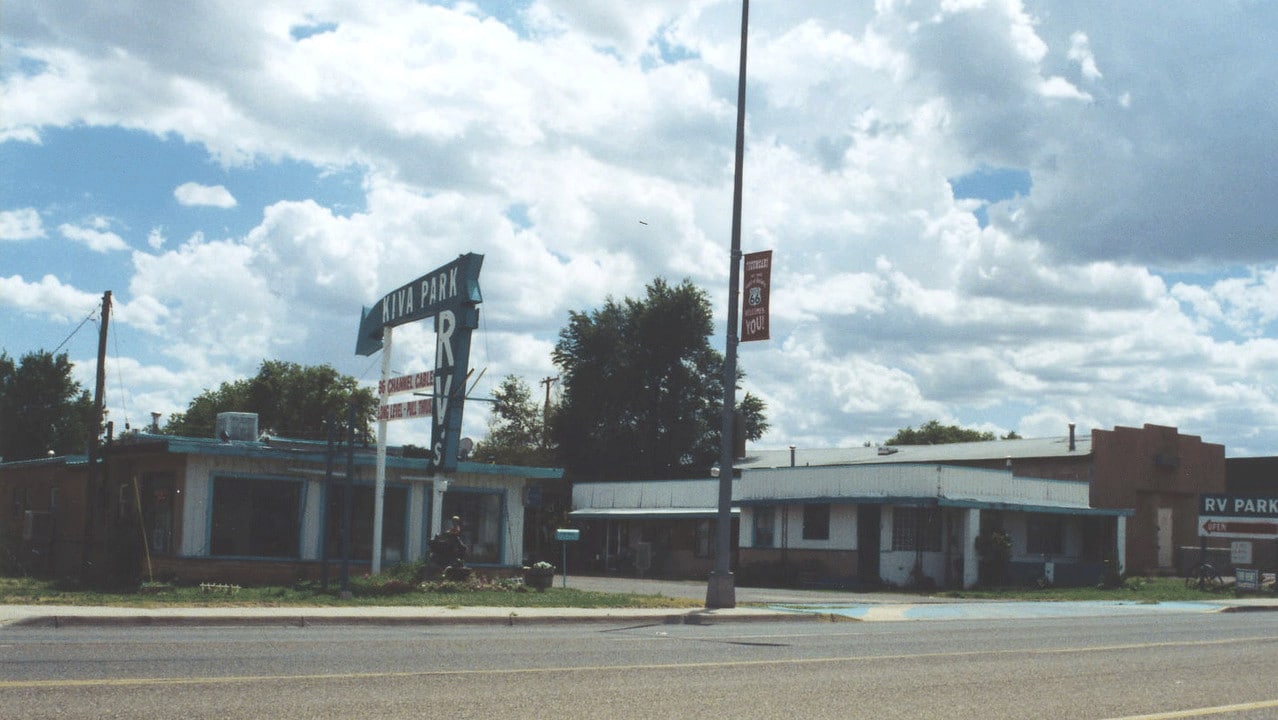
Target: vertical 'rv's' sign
758,279
451,295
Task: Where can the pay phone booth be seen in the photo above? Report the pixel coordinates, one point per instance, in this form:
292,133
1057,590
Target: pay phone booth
565,536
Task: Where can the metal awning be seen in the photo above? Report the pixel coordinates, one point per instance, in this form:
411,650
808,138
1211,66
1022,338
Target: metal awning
1033,508
707,513
933,501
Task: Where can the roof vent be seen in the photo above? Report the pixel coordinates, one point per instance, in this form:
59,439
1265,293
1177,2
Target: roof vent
236,426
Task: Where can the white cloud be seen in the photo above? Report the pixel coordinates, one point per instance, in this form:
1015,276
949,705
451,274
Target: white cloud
1081,52
208,195
21,224
49,298
94,238
1133,281
155,239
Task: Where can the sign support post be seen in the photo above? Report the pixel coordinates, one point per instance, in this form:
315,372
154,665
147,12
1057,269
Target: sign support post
379,489
450,294
565,536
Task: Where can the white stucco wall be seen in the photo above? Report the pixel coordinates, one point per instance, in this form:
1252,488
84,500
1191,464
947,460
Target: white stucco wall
197,492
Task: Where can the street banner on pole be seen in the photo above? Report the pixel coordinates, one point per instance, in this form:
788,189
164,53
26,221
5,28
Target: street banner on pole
758,281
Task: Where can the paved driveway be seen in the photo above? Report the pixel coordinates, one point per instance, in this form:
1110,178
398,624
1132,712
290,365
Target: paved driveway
696,590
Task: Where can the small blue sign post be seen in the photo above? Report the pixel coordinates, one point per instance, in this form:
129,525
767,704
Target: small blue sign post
565,536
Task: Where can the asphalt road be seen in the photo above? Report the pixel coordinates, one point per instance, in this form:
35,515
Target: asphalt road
1094,668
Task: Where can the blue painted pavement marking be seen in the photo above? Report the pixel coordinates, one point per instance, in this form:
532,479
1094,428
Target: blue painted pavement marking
997,610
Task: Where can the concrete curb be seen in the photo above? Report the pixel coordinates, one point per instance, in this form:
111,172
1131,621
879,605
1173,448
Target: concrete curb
287,619
1248,608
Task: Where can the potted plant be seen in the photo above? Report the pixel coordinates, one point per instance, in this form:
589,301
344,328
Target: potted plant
540,576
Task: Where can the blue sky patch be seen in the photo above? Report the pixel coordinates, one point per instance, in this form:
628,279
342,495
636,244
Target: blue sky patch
991,185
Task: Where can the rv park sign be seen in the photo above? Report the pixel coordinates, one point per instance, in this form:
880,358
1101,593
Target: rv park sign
1233,516
449,294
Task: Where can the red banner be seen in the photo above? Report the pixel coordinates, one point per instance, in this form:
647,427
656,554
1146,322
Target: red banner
758,281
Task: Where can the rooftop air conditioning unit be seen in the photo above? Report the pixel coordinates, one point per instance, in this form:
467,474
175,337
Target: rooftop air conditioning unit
236,426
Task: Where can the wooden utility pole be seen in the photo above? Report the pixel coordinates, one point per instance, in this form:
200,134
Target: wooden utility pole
94,518
545,413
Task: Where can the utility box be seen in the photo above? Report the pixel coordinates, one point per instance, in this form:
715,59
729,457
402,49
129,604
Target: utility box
240,426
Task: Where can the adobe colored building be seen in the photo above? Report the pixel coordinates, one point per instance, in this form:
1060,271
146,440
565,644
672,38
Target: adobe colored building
246,510
1160,473
1142,483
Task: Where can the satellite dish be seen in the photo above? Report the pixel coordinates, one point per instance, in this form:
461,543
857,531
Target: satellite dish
464,448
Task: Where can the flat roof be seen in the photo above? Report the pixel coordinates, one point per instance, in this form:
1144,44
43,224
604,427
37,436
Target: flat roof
311,451
1051,447
647,513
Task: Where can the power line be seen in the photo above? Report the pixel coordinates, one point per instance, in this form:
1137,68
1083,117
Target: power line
86,319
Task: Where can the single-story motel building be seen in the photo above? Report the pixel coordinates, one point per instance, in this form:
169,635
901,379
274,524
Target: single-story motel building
262,510
249,510
899,524
918,515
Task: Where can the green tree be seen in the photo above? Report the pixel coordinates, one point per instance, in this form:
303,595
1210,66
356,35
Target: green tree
752,413
933,432
42,408
516,428
290,400
642,388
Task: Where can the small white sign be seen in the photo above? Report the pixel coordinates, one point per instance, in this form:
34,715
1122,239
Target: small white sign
1240,552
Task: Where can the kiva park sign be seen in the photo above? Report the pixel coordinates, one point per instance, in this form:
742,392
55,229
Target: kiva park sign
450,295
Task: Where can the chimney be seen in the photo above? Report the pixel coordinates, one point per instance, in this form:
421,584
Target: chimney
1071,438
791,456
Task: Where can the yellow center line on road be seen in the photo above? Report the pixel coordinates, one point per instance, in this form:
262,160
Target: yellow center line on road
228,679
1204,712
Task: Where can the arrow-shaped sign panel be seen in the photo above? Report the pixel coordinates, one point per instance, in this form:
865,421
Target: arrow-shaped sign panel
1232,527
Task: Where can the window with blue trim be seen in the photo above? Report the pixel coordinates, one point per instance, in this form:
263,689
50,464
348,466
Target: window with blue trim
764,517
394,522
816,521
1044,534
915,528
481,519
256,517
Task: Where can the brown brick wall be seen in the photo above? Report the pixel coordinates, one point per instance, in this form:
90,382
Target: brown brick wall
1149,468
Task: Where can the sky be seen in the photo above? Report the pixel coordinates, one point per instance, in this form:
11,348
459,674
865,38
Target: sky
1007,215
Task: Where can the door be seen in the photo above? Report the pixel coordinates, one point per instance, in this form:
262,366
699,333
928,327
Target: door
868,520
1165,546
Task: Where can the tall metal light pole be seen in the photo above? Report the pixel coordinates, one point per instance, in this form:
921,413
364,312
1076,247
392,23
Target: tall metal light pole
721,592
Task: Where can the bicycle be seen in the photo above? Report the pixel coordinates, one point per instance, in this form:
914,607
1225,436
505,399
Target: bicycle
1204,577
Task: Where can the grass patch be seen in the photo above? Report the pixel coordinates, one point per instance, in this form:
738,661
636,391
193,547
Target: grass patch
481,592
1140,589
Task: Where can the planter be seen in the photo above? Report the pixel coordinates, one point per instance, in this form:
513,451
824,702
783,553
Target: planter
539,578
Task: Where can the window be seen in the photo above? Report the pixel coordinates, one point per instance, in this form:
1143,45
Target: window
157,498
1044,534
764,517
394,518
702,547
253,517
916,529
816,521
481,517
